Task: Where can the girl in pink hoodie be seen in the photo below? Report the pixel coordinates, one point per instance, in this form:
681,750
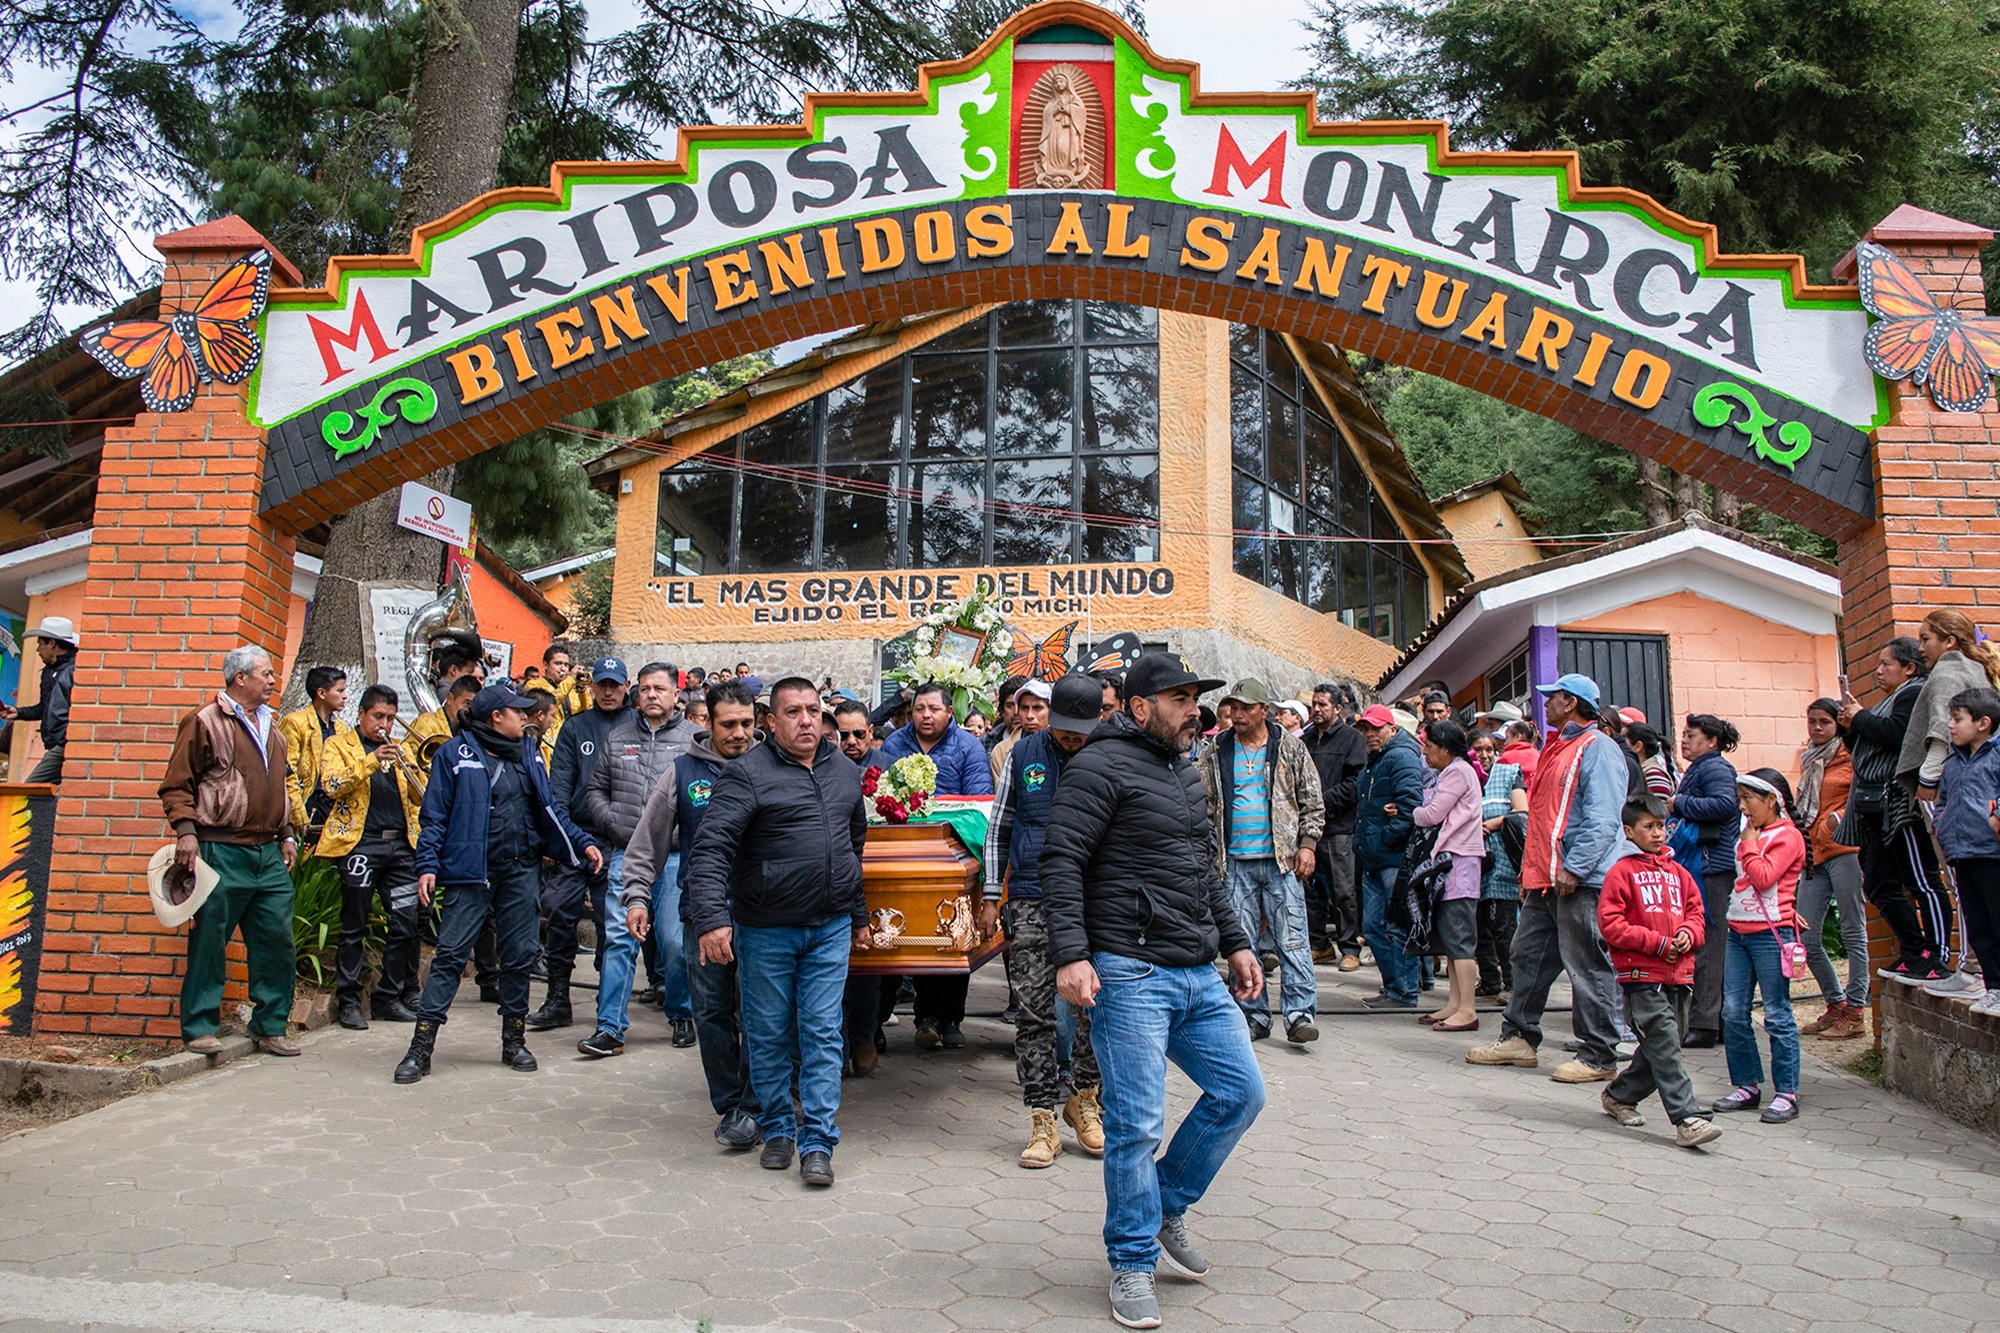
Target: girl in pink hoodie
1763,929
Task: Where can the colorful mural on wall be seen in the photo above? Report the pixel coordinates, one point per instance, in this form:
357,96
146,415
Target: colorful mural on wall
27,830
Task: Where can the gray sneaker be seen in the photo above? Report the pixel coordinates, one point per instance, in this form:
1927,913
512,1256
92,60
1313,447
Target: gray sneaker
1133,1303
1178,1247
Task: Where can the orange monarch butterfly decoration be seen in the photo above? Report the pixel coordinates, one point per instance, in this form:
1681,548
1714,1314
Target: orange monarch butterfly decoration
1047,660
1936,347
173,356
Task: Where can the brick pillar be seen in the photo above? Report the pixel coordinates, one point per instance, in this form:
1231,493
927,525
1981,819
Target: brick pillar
1937,487
182,569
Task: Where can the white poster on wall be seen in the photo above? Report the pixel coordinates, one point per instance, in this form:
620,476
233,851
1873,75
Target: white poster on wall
388,609
499,659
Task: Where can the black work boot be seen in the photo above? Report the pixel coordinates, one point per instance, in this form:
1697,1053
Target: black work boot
514,1045
417,1060
554,1012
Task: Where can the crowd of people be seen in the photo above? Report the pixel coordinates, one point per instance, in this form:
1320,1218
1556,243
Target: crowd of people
1151,863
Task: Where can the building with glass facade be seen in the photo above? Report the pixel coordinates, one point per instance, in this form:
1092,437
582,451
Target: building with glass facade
1109,469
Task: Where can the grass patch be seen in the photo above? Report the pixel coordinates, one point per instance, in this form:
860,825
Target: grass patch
1867,1065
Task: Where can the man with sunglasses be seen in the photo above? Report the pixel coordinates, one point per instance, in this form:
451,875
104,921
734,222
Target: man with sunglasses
855,735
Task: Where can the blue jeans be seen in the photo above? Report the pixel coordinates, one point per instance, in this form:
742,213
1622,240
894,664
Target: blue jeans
620,957
1399,973
1145,1016
1265,891
1753,965
792,979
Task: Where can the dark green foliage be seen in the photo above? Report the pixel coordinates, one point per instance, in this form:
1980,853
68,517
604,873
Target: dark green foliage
590,609
1792,125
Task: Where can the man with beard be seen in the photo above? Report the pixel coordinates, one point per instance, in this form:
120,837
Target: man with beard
675,810
1137,916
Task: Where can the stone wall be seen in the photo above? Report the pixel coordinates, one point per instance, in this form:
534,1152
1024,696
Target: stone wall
1940,1053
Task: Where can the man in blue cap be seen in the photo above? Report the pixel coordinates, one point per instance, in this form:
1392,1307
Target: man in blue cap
488,819
1575,806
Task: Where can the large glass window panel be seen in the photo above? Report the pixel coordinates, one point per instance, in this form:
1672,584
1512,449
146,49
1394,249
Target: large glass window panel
863,417
1384,593
1416,600
970,336
1287,567
1243,342
1279,366
1281,443
1121,487
1246,421
1104,321
1352,511
1322,591
947,406
1031,523
777,525
696,504
785,440
947,517
1032,403
1322,481
1037,323
1354,584
860,523
1247,517
1121,400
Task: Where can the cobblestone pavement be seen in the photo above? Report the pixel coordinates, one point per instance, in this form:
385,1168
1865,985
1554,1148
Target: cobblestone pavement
1389,1186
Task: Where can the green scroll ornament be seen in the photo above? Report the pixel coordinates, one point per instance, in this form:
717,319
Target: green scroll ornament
411,399
1716,406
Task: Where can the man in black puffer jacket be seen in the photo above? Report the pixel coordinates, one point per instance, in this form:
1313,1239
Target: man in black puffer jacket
774,877
1137,915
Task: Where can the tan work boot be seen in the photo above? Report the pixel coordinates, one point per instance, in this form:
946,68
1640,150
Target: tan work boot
1509,1051
1044,1142
1853,1023
1818,1027
1085,1114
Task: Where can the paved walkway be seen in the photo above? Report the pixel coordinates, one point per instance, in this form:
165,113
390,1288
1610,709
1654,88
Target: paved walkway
1389,1186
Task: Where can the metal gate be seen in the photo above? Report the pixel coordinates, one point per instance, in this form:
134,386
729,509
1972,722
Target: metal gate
1630,670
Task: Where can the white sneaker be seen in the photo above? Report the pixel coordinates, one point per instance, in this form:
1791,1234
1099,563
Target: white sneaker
1989,1005
1960,985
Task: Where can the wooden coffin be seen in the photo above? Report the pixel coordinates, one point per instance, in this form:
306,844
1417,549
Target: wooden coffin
917,879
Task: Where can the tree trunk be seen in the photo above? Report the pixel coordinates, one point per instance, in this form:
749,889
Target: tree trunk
463,97
1687,495
1655,494
1728,510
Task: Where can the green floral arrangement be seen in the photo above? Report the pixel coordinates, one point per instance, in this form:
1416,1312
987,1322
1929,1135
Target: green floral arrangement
972,686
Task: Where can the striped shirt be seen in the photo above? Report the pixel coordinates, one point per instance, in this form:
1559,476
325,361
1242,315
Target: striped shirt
1250,816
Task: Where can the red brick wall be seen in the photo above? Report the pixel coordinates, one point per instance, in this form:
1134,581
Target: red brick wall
181,570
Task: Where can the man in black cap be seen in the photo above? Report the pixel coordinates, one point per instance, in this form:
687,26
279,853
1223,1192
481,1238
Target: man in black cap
1137,915
1022,798
488,819
569,890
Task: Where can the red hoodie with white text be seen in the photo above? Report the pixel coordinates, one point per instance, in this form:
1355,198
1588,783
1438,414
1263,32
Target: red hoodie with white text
1645,901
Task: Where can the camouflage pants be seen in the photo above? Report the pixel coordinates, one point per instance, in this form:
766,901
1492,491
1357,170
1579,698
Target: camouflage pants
1035,1004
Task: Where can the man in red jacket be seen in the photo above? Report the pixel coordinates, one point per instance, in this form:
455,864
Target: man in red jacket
1650,911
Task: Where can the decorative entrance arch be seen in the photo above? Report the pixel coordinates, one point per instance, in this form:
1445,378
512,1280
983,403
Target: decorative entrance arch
1061,159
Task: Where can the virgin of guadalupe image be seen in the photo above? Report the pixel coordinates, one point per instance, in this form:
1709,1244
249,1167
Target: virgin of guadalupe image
1064,160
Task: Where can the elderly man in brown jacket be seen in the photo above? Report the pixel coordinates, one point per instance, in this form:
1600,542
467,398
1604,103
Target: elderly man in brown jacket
225,796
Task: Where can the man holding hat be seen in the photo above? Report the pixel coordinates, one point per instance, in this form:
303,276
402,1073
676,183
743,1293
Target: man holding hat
569,890
1265,804
1575,827
56,642
1137,916
1022,798
488,819
224,794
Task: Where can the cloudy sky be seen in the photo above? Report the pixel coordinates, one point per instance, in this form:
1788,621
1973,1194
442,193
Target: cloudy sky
1243,45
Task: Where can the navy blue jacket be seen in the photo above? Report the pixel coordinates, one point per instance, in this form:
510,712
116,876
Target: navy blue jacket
1970,785
1394,776
1706,798
964,767
1020,821
453,837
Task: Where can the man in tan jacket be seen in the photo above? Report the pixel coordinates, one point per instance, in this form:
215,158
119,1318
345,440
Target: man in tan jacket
224,794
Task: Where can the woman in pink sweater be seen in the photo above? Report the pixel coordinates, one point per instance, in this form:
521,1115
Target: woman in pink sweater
1454,810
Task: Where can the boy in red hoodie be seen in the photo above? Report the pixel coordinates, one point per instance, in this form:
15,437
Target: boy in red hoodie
1651,914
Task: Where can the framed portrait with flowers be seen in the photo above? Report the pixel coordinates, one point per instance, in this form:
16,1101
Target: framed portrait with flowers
959,647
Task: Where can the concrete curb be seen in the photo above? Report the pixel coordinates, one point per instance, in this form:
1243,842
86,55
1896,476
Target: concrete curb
37,1080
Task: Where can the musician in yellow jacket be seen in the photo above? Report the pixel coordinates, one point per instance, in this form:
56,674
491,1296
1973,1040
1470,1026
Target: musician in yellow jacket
306,732
377,790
